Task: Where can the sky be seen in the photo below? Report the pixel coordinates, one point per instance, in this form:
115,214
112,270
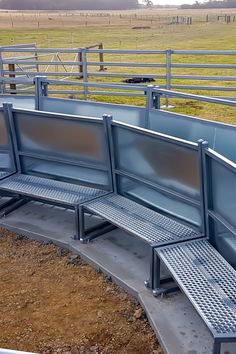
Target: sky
173,2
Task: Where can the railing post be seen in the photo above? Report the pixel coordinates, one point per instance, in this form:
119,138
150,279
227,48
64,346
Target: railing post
85,71
41,90
168,72
149,104
156,96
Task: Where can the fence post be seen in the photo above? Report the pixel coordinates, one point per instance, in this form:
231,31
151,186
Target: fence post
80,67
101,57
149,104
85,71
41,90
11,67
36,59
168,73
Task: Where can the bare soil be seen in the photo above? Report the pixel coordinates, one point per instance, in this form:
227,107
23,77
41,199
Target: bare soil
52,302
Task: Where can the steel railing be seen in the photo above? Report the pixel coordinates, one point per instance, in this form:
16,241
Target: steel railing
160,65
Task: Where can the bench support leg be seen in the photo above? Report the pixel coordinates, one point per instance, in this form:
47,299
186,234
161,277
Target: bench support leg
157,281
13,205
81,224
95,231
217,347
77,223
149,283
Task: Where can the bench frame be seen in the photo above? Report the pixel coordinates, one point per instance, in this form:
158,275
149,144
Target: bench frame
21,198
89,234
158,290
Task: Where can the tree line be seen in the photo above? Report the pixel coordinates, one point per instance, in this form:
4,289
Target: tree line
68,4
211,4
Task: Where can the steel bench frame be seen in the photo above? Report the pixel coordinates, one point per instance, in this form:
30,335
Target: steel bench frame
89,234
22,197
201,265
218,276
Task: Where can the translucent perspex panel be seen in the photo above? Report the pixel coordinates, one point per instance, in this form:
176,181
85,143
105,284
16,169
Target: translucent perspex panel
158,201
67,138
225,241
222,193
162,161
62,147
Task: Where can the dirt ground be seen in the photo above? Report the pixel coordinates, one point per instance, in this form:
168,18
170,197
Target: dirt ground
52,302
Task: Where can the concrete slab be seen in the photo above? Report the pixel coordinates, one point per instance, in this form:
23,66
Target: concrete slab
177,325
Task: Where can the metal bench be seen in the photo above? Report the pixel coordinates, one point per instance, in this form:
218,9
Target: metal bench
61,160
203,268
142,195
208,281
7,159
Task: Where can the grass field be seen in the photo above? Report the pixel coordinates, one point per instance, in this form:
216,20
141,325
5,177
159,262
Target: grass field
115,30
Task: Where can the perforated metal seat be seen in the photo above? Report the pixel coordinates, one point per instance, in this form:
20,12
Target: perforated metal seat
49,189
208,281
4,174
139,220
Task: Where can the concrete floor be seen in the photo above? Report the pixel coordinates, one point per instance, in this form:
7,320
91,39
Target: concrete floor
178,327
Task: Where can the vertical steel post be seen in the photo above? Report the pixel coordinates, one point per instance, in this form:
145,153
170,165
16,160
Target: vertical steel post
108,119
2,84
157,100
7,108
202,145
149,105
41,90
168,73
85,71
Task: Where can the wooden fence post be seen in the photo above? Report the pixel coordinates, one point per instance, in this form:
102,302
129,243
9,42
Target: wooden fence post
101,57
11,67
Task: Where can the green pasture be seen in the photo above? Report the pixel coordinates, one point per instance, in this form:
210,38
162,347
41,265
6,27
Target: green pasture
201,35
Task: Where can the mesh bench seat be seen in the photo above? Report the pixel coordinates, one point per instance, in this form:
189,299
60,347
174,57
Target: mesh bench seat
59,159
208,281
49,189
4,174
137,220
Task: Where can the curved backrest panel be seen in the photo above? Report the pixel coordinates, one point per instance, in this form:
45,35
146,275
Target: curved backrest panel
158,170
220,180
221,137
62,147
127,114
